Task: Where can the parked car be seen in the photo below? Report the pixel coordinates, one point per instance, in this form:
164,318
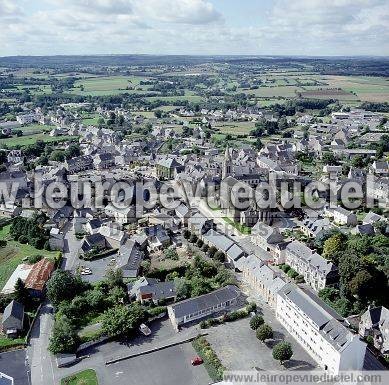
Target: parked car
144,329
196,361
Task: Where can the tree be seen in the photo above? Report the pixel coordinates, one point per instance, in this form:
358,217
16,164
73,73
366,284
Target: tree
212,251
3,243
200,286
64,338
63,286
362,284
193,238
21,293
219,256
333,246
114,278
122,320
256,322
182,288
329,158
258,144
282,351
205,248
264,332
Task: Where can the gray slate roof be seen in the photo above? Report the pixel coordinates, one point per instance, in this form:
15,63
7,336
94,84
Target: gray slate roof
203,302
326,319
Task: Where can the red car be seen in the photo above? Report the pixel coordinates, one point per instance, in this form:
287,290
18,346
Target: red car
197,361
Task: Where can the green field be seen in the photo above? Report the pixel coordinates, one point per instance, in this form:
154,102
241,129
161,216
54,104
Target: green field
235,128
35,129
12,254
31,139
86,377
109,85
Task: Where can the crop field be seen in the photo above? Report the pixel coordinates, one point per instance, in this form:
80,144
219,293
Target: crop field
275,91
110,85
373,89
328,93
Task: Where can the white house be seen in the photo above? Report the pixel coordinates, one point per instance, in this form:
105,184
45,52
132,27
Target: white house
317,271
319,330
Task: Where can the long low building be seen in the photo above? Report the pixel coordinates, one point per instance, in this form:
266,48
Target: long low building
205,305
319,330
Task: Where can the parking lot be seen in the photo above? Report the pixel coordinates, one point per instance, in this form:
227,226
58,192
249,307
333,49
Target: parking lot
98,268
13,364
170,366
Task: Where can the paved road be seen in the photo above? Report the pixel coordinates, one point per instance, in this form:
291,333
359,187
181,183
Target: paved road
42,363
71,248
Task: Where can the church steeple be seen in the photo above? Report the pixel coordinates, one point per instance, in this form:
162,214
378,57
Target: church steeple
227,164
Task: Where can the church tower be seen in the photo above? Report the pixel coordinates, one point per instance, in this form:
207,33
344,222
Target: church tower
227,164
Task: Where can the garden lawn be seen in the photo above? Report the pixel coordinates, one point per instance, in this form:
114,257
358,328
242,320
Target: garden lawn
241,228
12,255
86,377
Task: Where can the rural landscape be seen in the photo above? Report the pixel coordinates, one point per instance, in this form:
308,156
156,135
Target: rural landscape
191,216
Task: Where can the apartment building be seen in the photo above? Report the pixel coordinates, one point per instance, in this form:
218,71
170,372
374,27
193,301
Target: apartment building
262,279
317,271
319,330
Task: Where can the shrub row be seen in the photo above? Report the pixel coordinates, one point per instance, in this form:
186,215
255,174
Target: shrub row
212,363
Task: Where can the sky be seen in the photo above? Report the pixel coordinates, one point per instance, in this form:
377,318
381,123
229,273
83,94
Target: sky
199,27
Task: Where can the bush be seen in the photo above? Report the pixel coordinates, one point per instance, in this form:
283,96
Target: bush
193,238
235,315
205,248
292,273
212,363
199,243
252,306
3,243
264,332
299,279
212,251
33,259
156,311
23,239
219,256
256,322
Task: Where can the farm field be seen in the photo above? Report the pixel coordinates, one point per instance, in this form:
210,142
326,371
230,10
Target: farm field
35,129
236,128
31,139
373,89
12,254
109,85
283,91
328,93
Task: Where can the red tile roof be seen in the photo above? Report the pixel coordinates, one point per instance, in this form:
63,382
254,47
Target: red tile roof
39,274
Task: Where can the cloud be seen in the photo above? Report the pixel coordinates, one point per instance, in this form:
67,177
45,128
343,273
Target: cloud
309,27
179,11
